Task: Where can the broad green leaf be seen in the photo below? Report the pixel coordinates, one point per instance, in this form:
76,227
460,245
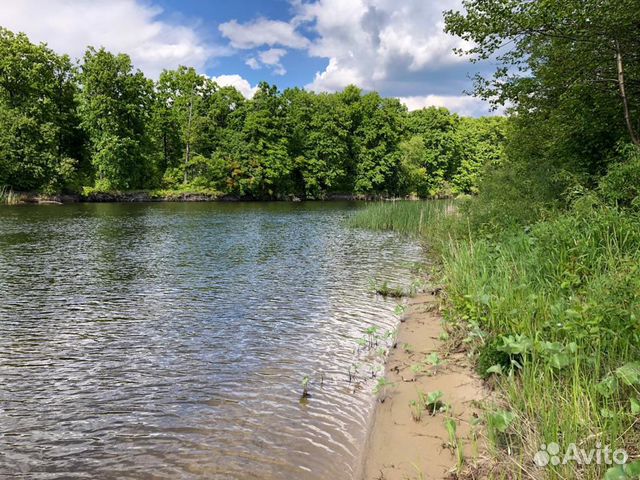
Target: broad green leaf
560,360
607,386
434,397
497,369
501,420
632,469
515,344
615,473
629,373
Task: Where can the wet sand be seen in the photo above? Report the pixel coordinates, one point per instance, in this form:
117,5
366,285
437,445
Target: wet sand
400,447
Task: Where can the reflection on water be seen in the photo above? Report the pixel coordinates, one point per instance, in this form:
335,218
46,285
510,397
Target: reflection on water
170,340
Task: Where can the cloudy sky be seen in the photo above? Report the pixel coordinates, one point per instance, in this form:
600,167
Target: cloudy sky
396,47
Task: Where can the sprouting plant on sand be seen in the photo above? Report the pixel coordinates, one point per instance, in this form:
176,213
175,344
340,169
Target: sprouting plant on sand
416,410
381,388
451,426
420,475
430,402
434,403
434,360
418,406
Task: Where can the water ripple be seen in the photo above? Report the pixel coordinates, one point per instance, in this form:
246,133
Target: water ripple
169,340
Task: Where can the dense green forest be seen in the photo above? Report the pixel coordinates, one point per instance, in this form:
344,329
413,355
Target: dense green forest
541,268
102,126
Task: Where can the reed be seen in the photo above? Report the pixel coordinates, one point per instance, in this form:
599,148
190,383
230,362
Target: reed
405,217
8,197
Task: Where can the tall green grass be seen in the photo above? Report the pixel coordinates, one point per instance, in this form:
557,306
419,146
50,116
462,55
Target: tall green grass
563,298
8,197
412,218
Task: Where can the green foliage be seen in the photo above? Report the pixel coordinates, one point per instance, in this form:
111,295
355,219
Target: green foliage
570,71
115,104
491,355
500,420
39,143
621,185
433,402
107,127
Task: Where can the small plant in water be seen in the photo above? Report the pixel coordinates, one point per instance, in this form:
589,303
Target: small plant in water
385,290
305,387
392,337
416,286
400,309
372,336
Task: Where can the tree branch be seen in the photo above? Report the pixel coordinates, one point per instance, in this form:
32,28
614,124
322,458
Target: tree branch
623,94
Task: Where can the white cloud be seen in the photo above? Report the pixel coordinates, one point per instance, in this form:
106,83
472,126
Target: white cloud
374,43
241,84
462,105
121,26
272,58
253,63
268,58
262,32
335,77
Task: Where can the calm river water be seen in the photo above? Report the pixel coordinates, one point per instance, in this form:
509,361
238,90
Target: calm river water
169,341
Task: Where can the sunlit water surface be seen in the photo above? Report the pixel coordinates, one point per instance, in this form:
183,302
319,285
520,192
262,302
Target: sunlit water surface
170,340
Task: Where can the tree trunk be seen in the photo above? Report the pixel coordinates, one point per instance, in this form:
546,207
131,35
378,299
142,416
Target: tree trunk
623,94
187,155
165,149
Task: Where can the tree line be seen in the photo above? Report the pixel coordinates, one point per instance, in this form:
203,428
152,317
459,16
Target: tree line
100,124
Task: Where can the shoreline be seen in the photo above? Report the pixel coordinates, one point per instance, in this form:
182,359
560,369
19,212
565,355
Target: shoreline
144,196
398,447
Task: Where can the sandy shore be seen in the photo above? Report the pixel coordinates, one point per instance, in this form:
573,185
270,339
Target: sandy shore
399,447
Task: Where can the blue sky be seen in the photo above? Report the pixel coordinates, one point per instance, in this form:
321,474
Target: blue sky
396,47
